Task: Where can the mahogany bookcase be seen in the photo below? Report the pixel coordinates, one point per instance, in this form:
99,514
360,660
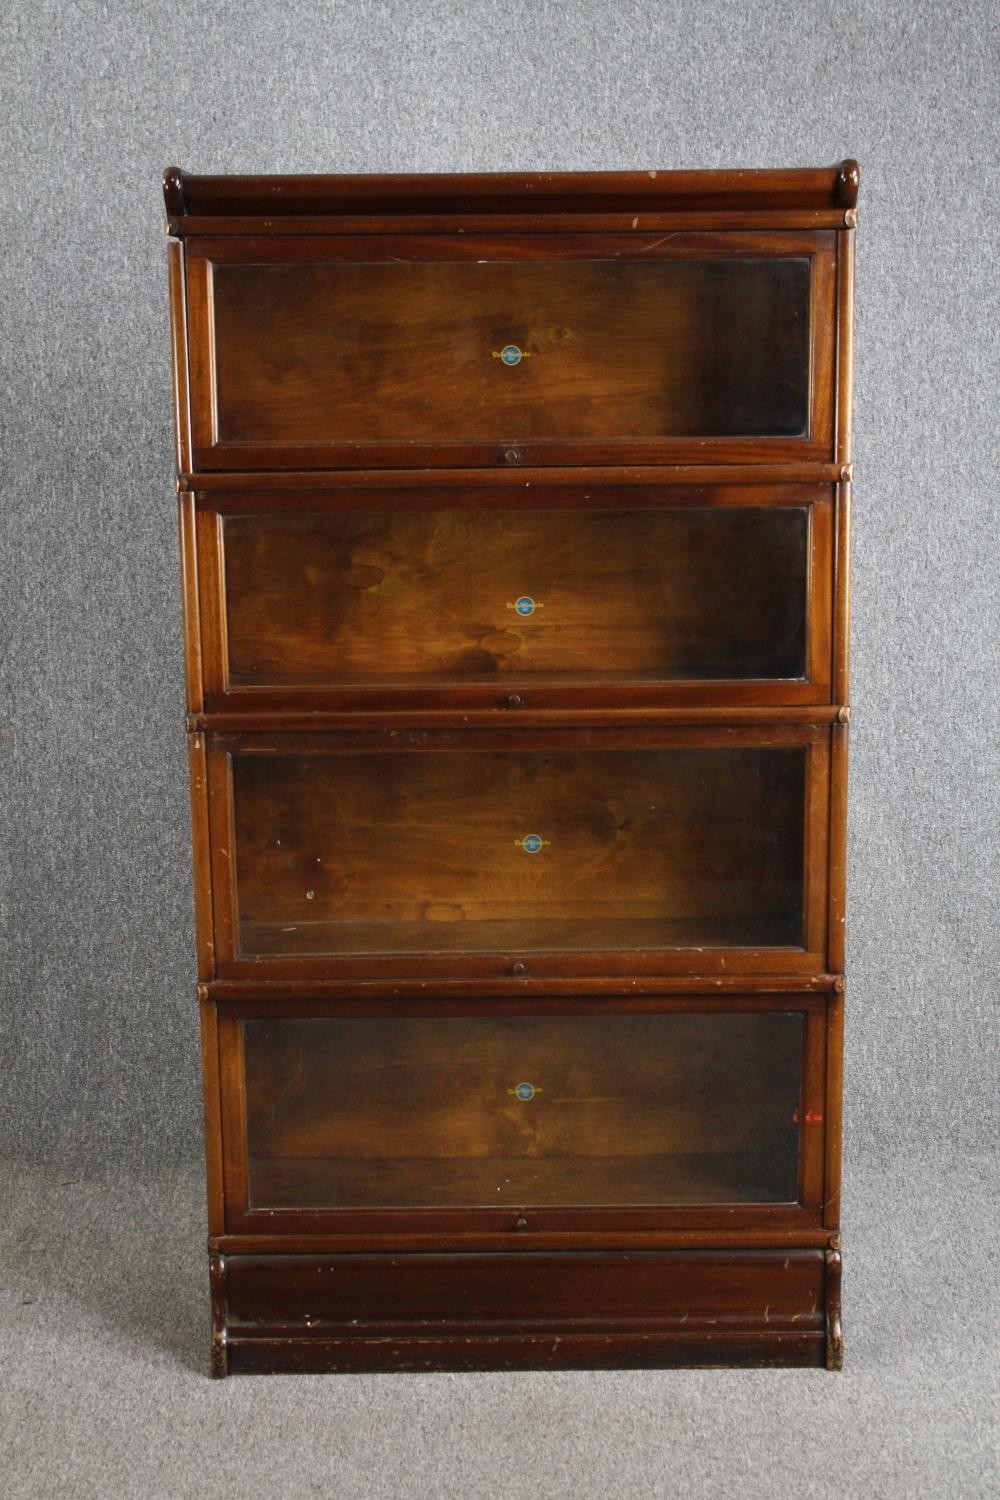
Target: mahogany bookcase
514,518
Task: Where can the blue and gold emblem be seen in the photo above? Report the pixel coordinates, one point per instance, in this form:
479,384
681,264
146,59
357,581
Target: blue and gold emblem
531,843
511,354
524,1092
524,606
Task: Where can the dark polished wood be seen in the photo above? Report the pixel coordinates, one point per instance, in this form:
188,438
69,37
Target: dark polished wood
515,561
611,478
310,993
612,1310
544,193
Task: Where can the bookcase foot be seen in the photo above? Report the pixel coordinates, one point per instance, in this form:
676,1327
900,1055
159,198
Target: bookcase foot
834,1324
219,1355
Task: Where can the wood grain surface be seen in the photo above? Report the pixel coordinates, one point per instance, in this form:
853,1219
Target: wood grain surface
416,849
412,350
695,593
622,1109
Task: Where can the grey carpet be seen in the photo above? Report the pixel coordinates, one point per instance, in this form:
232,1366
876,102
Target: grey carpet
103,1353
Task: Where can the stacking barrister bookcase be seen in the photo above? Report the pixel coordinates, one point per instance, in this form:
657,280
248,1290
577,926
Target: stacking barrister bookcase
514,524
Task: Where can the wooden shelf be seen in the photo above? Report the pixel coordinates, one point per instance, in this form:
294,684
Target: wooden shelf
600,930
667,1179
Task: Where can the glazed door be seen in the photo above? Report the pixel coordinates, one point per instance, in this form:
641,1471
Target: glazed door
540,852
675,1111
430,595
405,351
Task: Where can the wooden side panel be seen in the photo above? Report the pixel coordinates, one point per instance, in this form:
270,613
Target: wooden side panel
212,1093
845,345
842,596
836,945
191,614
204,902
179,357
833,1135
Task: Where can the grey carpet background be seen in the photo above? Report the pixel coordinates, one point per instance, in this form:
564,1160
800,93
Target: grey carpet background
104,1393
98,1050
99,1042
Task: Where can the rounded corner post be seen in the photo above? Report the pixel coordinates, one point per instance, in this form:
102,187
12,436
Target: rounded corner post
219,1348
834,1319
173,192
848,184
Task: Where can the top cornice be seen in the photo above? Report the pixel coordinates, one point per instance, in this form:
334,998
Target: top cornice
196,204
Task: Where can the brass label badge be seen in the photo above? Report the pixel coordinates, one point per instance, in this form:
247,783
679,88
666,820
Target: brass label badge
531,843
525,606
511,354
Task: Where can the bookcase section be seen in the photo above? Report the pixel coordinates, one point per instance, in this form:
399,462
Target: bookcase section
570,1118
567,595
677,850
332,350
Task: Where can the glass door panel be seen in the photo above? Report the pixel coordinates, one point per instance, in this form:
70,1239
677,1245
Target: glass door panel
623,1109
406,349
545,850
438,597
